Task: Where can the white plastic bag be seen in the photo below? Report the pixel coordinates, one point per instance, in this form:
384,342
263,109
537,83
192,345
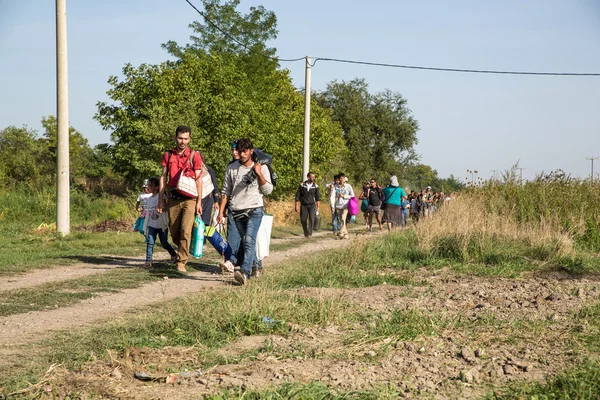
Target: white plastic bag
263,238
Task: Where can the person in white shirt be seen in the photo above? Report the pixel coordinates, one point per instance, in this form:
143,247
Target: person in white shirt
344,193
156,223
332,187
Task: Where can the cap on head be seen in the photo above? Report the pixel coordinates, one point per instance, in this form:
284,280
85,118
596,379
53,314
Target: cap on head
394,181
145,183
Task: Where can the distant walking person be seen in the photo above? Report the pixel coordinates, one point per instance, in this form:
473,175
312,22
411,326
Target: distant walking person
245,196
393,196
308,201
335,220
344,193
181,208
374,196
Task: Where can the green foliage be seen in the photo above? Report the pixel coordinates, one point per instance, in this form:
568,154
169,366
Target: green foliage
378,129
23,158
223,92
29,161
303,391
81,155
581,382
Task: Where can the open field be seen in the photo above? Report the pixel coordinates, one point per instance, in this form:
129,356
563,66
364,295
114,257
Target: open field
463,305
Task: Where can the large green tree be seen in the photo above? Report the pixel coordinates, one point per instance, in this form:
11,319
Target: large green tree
223,91
23,158
379,130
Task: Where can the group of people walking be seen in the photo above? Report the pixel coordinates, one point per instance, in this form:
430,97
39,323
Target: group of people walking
389,205
188,187
170,204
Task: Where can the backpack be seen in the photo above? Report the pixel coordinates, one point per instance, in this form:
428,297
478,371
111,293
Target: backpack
263,158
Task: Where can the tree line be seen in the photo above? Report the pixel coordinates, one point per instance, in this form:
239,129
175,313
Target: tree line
225,90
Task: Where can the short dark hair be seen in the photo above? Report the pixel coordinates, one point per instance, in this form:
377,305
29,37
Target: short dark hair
244,144
336,177
154,181
341,175
309,173
183,129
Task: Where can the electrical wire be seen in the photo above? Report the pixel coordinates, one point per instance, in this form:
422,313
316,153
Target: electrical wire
227,34
473,71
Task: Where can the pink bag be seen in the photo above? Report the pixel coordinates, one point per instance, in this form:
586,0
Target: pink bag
353,206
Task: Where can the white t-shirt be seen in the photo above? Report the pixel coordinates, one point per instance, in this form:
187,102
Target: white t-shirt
151,203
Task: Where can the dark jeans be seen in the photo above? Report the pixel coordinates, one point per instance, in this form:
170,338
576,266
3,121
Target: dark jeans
248,228
307,217
164,241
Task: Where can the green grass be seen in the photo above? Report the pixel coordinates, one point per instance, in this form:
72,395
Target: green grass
24,247
61,294
299,391
23,252
579,383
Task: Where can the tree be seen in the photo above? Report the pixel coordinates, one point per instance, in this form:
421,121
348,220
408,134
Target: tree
223,92
80,153
378,129
23,158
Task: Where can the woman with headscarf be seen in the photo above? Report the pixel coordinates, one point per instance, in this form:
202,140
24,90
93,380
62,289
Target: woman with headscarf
393,195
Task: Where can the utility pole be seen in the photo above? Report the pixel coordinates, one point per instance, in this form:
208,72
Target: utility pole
521,176
306,146
592,174
63,217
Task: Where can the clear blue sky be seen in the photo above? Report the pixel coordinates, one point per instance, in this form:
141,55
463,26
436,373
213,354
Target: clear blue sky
467,121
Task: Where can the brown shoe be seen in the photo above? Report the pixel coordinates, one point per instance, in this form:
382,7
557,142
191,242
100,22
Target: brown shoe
181,268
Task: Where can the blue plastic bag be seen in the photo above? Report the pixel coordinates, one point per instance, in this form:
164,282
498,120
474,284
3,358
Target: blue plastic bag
197,244
218,242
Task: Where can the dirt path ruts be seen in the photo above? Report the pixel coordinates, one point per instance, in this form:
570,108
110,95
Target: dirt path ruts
102,263
22,328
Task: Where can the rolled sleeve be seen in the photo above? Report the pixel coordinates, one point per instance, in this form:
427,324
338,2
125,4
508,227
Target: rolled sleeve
227,184
267,188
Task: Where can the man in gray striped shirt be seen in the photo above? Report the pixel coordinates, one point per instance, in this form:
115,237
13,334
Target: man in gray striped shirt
244,186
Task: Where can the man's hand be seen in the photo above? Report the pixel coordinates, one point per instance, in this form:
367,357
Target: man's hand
220,218
159,208
258,169
216,205
199,207
296,209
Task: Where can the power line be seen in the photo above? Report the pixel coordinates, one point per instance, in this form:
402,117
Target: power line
224,32
378,64
473,71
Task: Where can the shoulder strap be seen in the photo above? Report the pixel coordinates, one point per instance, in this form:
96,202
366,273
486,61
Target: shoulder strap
192,159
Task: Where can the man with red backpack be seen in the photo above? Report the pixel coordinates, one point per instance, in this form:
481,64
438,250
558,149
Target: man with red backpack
182,168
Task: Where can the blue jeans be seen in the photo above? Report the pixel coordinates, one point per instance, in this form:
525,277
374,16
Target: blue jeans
248,229
233,236
335,222
404,217
164,241
234,239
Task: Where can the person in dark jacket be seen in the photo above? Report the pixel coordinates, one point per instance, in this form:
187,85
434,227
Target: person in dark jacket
308,201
